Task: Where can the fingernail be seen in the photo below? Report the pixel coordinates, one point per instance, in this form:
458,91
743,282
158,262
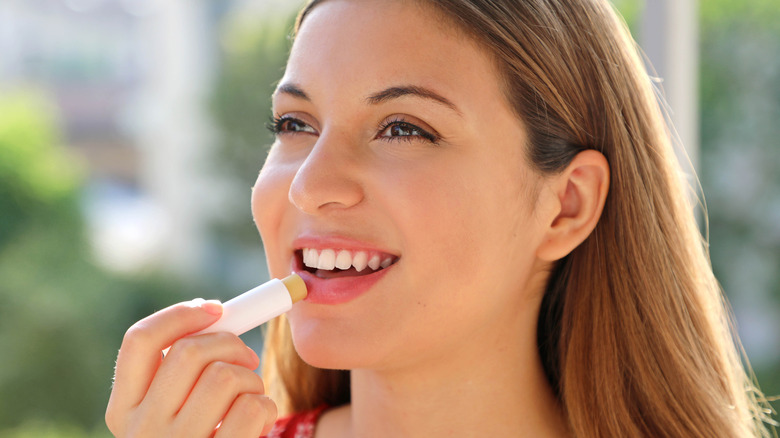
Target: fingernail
213,307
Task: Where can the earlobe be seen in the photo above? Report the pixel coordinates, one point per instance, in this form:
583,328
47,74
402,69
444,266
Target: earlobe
580,192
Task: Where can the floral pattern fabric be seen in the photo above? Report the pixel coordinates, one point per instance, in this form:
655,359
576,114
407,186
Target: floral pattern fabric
300,425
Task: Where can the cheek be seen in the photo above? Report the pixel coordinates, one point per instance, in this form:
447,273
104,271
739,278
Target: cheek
441,218
467,223
269,204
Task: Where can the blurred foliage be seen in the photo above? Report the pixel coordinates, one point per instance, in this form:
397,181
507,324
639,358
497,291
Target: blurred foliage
740,166
254,58
34,183
759,15
62,318
630,10
254,55
48,429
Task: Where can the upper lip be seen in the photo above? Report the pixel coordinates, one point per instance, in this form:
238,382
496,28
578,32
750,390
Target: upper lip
338,242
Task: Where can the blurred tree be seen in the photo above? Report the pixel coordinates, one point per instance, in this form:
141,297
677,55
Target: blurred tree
61,317
255,53
43,429
740,167
36,180
630,10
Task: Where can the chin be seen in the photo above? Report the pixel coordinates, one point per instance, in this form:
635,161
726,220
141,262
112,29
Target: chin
330,348
330,357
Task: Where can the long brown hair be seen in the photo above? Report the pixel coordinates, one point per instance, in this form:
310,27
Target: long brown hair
634,331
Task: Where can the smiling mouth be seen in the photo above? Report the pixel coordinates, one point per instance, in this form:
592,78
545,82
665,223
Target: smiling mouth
337,263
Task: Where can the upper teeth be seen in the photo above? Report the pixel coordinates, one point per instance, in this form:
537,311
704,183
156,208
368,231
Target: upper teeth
329,259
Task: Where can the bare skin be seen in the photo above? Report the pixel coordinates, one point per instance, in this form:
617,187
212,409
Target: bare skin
204,381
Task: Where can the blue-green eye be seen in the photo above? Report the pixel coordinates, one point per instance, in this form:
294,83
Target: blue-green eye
400,130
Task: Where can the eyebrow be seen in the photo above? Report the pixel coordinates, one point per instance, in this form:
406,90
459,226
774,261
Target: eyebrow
380,97
292,90
410,90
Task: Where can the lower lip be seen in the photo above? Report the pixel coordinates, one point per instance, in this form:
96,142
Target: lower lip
338,290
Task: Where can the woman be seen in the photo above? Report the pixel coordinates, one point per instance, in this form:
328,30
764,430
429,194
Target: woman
482,199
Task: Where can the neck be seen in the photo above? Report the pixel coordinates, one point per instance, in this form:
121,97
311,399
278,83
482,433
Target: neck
432,397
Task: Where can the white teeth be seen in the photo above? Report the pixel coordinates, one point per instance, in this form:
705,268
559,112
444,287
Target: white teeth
330,259
374,262
344,259
360,261
386,262
327,260
310,257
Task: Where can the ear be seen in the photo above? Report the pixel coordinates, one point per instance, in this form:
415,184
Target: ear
576,197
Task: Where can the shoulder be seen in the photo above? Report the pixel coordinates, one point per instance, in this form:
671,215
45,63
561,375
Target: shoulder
298,425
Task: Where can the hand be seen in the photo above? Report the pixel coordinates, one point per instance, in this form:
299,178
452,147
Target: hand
204,386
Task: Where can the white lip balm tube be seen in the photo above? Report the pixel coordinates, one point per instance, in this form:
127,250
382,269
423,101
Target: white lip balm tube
259,305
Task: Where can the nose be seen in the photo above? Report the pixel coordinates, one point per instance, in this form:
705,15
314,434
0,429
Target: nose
328,180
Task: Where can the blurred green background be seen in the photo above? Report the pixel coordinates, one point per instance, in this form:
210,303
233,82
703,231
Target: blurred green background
132,131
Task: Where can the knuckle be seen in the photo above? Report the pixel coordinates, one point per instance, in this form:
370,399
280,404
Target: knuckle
271,414
226,337
258,408
112,422
138,334
144,421
141,430
229,340
221,374
260,384
186,350
251,406
271,408
128,424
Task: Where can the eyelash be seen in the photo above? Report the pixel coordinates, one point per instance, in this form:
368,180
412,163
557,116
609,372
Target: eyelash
276,123
432,138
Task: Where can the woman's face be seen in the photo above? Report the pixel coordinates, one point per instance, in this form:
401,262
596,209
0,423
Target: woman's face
396,144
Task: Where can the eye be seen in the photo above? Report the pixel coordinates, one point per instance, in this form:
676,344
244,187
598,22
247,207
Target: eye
289,125
401,130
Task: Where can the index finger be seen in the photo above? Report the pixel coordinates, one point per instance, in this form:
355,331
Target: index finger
141,351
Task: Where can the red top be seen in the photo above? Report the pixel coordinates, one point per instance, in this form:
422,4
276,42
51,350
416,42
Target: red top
300,425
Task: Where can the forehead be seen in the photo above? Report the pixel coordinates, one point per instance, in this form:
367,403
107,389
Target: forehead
426,9
373,42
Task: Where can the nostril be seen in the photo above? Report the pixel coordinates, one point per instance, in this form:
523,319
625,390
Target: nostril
326,180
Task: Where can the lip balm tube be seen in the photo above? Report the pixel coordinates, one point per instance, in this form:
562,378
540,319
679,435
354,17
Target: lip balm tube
259,305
